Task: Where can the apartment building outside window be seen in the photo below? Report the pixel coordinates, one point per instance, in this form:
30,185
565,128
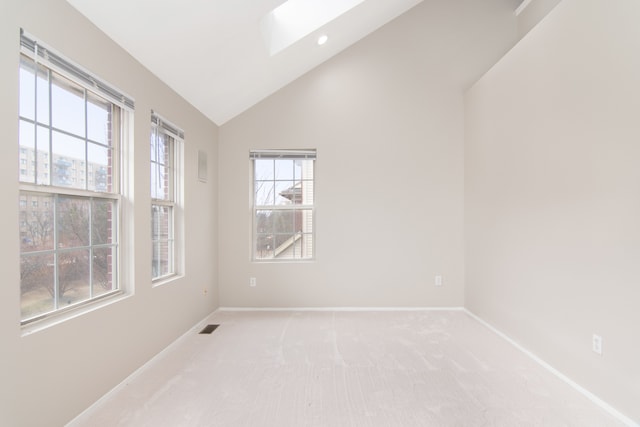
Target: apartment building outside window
70,235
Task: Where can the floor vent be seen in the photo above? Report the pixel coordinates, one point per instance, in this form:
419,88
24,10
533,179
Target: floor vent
208,329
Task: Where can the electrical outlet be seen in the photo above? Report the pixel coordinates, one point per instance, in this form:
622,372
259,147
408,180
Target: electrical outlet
596,344
438,281
252,282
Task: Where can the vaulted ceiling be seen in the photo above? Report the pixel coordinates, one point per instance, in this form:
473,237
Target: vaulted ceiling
214,53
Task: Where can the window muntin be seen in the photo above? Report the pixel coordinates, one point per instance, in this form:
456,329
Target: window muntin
166,141
283,205
69,201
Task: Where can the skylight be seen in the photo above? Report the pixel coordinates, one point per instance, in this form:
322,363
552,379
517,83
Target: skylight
295,19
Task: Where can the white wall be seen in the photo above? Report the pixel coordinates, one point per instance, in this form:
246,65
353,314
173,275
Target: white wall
386,117
552,195
48,377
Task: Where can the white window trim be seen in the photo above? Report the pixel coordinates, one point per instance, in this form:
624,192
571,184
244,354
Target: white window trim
177,185
122,172
308,154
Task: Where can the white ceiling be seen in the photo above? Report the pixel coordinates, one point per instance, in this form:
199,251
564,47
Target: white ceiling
212,52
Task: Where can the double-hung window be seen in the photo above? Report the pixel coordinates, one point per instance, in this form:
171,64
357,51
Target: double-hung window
283,205
71,130
166,148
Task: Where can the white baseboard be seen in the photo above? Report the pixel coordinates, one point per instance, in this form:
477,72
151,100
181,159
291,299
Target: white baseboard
341,309
87,412
595,399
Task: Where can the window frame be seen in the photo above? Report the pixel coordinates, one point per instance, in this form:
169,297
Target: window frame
174,201
43,58
282,154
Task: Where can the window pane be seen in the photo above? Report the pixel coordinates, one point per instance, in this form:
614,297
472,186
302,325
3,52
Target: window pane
161,256
284,169
160,222
98,119
98,178
36,225
264,193
284,245
160,182
27,151
303,169
306,246
263,169
72,222
162,147
154,180
285,192
154,144
27,89
73,277
298,246
99,160
307,192
264,222
103,226
67,103
283,221
103,263
293,193
264,246
43,161
68,153
43,96
36,284
303,221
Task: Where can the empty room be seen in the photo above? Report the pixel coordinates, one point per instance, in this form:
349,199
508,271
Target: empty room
320,213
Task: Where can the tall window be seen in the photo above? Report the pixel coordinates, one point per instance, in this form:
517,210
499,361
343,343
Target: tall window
166,140
283,204
70,133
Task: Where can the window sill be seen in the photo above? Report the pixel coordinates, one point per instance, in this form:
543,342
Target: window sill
63,316
164,280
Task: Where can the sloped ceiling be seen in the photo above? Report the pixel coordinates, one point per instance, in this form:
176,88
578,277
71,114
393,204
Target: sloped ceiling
212,52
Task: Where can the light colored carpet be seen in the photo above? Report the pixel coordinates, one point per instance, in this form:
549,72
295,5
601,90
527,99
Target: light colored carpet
400,368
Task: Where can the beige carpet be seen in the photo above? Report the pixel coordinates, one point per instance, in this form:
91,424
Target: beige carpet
400,368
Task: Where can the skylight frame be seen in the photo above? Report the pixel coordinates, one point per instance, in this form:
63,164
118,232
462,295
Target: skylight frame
295,19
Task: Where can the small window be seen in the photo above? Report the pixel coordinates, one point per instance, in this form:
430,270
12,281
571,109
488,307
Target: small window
166,147
283,205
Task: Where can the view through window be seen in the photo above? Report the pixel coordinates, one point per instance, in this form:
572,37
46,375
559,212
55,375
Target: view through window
283,204
69,200
165,149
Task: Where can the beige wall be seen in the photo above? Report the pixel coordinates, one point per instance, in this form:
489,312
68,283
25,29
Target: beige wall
48,377
552,189
533,13
386,117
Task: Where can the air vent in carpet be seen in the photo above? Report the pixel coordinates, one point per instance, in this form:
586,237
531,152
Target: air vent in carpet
208,329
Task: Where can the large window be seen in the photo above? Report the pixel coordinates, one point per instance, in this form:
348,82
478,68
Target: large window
71,127
283,205
166,140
